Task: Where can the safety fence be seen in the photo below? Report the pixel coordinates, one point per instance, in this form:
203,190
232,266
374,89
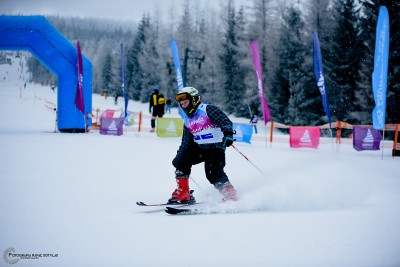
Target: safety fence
362,137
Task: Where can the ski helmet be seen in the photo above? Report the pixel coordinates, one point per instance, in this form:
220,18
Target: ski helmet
191,94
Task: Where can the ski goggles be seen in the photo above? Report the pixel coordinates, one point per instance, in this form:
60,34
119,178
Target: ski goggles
181,97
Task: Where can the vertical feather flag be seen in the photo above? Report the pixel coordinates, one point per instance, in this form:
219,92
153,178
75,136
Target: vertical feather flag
255,53
177,63
319,76
79,92
379,75
123,80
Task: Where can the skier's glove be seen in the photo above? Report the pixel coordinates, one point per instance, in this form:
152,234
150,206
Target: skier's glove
228,139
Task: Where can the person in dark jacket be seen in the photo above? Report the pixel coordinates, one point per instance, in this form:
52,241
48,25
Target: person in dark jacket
156,107
207,132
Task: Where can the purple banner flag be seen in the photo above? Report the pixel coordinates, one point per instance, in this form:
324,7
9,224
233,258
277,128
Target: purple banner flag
112,126
79,92
255,53
366,138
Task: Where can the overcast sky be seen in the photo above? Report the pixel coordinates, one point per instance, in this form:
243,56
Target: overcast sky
111,9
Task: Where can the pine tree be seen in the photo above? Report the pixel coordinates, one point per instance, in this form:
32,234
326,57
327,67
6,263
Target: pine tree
347,61
149,64
107,74
288,91
263,30
364,98
233,86
134,81
316,20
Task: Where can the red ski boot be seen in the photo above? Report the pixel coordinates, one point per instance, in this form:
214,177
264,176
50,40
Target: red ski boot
182,194
229,193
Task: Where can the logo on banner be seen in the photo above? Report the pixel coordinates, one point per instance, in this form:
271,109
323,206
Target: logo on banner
305,140
171,128
304,137
366,138
368,141
239,133
112,127
243,132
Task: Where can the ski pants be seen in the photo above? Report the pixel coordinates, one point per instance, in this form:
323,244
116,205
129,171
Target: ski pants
214,163
158,111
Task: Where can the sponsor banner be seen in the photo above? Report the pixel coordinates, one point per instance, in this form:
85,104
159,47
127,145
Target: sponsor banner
169,127
112,126
79,103
177,64
304,137
366,138
255,53
319,75
126,98
243,132
380,73
108,113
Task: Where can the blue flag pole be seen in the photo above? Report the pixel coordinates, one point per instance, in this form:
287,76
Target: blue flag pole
177,63
380,73
320,77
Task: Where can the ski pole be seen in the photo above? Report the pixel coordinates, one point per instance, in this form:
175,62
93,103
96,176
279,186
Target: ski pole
248,160
194,181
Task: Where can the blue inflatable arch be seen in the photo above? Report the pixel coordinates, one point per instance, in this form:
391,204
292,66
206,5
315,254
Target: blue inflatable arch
36,35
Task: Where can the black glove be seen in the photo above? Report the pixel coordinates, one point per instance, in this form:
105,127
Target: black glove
228,140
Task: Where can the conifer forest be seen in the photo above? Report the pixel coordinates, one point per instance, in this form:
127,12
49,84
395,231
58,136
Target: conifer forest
215,56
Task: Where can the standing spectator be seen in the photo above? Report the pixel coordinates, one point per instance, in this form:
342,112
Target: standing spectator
168,107
253,121
157,103
116,98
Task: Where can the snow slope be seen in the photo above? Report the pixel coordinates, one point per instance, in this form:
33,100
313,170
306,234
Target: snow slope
73,196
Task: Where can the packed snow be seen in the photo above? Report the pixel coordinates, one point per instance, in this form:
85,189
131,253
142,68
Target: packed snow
70,198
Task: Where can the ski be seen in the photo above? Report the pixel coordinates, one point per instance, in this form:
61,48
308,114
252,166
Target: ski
199,211
141,203
192,201
183,211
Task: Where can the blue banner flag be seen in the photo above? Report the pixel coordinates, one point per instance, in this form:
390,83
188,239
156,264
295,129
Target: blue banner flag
123,80
319,76
243,132
177,63
379,75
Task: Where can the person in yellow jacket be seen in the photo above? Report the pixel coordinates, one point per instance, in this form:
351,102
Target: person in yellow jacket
156,107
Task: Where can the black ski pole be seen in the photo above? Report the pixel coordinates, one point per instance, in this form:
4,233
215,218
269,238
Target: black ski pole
248,160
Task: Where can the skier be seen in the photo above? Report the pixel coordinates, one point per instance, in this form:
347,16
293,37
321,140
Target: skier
206,134
157,102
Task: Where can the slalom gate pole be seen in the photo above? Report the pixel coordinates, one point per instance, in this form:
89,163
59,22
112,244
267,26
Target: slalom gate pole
248,160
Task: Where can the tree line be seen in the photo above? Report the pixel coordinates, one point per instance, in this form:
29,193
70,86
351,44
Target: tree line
214,44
